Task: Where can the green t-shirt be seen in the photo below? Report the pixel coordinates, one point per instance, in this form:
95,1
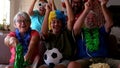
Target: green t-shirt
64,42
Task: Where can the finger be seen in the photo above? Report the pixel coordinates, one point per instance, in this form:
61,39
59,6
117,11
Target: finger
87,4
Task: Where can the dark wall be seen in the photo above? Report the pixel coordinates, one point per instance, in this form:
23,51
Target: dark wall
115,11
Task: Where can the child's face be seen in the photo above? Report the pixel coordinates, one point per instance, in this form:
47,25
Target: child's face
56,26
22,24
41,6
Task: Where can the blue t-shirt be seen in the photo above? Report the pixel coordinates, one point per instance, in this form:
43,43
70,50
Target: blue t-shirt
36,21
83,52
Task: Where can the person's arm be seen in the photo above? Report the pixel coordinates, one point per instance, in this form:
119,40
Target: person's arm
107,16
52,3
10,40
70,15
80,21
30,11
44,29
7,41
33,48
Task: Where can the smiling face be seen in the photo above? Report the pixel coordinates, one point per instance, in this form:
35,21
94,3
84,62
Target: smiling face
91,20
22,22
41,7
56,21
56,26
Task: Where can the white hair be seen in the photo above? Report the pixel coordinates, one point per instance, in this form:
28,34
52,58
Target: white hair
94,13
23,14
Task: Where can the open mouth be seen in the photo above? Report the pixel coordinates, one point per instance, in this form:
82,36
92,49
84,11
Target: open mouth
23,26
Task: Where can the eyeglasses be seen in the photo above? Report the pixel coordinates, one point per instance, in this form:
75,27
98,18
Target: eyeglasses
42,4
25,21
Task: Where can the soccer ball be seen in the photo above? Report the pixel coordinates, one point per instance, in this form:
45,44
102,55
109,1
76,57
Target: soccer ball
52,57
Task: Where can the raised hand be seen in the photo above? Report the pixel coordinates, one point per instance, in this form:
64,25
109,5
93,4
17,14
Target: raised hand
48,7
103,2
89,5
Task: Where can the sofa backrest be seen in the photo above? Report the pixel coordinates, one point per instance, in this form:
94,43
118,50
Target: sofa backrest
4,51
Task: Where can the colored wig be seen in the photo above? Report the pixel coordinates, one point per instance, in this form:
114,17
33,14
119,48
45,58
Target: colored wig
58,15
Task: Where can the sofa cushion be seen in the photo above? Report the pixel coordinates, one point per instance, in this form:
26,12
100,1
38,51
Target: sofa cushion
4,51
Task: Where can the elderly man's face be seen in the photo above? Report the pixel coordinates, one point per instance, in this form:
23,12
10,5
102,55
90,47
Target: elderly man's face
91,21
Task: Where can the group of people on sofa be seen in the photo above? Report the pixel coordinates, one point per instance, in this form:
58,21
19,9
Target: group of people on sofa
79,36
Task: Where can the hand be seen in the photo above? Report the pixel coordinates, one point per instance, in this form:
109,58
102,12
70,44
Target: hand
42,37
48,8
89,5
103,2
13,41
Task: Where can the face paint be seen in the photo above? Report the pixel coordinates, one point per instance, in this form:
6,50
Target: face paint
42,4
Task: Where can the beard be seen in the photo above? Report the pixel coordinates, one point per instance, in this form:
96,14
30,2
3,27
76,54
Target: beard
91,25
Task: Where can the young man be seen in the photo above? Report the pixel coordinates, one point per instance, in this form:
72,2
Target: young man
60,34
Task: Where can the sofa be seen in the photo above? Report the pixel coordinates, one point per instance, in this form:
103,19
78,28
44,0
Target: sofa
4,51
114,49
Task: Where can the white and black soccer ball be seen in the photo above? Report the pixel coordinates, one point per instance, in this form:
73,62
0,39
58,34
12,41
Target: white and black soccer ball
52,57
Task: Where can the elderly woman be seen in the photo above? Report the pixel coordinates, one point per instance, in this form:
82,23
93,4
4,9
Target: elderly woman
29,39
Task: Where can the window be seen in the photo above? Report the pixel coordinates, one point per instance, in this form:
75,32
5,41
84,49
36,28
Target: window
4,13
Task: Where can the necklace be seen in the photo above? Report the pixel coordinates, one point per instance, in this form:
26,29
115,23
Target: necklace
91,38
